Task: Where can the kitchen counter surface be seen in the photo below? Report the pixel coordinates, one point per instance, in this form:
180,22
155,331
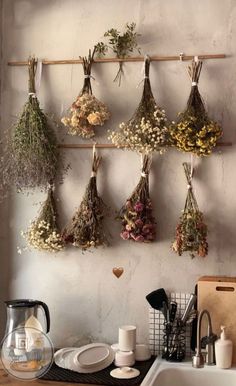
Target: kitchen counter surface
6,380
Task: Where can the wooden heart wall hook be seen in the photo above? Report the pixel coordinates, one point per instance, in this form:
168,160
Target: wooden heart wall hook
118,271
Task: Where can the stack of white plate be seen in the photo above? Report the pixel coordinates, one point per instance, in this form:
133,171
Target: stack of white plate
87,359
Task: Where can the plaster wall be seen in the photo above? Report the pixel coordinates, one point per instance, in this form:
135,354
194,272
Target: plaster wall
85,299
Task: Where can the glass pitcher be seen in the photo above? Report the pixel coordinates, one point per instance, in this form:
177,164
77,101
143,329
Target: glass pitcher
18,313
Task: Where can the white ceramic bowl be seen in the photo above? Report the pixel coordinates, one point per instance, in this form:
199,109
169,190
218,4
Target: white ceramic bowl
124,358
142,352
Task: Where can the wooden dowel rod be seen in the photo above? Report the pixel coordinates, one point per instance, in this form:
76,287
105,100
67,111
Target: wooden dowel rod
113,60
111,145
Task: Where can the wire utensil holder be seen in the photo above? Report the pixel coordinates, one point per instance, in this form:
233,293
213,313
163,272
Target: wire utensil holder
157,333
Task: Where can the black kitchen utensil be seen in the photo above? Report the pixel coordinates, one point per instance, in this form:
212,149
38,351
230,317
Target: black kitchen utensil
156,299
173,310
159,301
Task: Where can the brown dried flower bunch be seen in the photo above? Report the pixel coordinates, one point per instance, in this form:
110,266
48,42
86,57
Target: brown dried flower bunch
146,131
194,131
191,232
31,156
85,230
86,112
43,233
138,223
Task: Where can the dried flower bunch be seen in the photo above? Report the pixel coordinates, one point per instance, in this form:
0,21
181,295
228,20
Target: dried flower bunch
194,131
122,45
146,131
87,111
43,233
138,223
31,156
191,232
85,230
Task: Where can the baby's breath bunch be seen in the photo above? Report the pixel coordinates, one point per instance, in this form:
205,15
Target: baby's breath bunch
191,232
31,156
85,230
43,233
87,111
194,131
146,131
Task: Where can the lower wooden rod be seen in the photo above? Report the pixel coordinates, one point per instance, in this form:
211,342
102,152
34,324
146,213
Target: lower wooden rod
112,146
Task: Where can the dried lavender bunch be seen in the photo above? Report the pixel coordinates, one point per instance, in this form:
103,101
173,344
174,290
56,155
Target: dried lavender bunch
85,230
191,232
138,223
43,233
87,111
122,45
194,131
31,156
146,131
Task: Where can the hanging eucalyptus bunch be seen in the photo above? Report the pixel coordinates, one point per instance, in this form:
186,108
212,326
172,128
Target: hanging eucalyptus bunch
31,156
122,45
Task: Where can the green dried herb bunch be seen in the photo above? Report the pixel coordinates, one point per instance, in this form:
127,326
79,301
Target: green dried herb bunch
146,131
122,45
31,157
85,230
194,131
43,233
138,222
191,232
86,111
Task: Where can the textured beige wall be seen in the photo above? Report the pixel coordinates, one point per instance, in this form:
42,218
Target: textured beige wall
85,299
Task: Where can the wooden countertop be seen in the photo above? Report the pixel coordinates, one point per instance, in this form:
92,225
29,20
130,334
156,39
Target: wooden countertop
6,380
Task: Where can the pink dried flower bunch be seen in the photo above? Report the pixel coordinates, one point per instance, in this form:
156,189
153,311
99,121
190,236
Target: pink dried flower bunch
138,223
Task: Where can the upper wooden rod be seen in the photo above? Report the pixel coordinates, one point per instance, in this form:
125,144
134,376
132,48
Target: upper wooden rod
130,59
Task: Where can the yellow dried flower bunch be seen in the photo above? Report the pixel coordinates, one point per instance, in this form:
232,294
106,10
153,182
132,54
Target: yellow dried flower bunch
194,131
147,130
43,233
195,135
87,111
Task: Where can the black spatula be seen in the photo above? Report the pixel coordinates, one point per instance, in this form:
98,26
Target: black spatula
156,299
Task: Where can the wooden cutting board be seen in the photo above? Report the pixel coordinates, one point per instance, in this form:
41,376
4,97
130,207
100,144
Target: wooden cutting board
217,294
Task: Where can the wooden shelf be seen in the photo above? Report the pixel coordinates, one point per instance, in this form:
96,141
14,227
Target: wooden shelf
129,59
112,146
